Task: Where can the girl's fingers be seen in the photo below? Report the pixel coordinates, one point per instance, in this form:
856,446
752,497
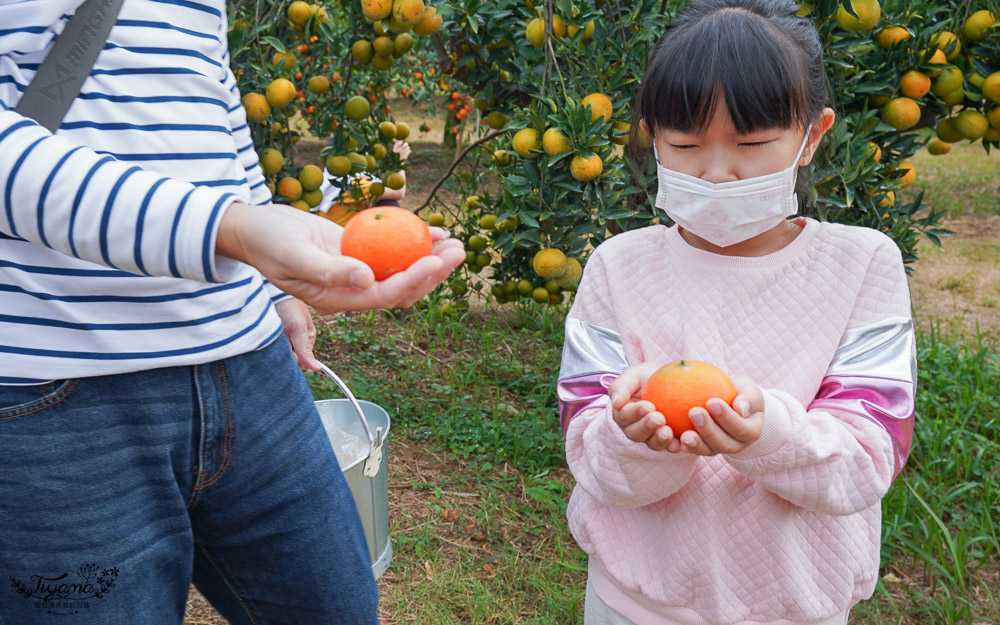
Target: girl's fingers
631,413
661,439
691,443
734,424
624,387
645,426
629,383
710,432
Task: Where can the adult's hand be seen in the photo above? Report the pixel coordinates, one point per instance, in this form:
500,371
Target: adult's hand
299,330
402,148
300,254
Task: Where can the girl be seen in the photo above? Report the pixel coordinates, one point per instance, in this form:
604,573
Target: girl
769,512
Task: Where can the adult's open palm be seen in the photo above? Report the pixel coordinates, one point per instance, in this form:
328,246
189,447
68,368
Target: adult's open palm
300,254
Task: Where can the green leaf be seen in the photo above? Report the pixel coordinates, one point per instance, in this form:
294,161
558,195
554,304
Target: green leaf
275,43
528,220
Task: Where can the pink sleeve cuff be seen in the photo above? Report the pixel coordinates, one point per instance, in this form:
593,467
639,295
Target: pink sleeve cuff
874,375
777,426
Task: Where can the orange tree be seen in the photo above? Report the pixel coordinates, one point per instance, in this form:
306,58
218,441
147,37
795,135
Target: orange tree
904,75
545,89
327,69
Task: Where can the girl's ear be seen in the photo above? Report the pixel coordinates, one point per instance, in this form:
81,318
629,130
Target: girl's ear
819,128
644,126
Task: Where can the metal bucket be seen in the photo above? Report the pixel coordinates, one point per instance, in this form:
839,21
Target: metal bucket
367,476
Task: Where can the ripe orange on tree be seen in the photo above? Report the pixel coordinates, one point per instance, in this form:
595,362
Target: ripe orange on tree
571,278
386,238
311,178
868,13
971,124
429,23
290,187
938,147
947,42
356,108
280,93
937,58
588,30
288,57
891,35
299,12
600,106
901,113
558,26
534,32
914,84
271,161
911,173
993,116
949,80
977,24
549,263
555,142
319,84
256,107
586,168
407,13
376,9
991,87
681,385
526,143
362,51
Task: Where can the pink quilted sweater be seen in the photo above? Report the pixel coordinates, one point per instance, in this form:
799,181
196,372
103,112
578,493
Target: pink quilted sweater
787,531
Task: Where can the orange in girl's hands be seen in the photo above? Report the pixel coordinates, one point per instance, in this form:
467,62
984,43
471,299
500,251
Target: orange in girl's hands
386,238
681,385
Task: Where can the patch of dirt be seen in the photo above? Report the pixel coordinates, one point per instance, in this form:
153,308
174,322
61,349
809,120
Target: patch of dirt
902,585
960,282
200,611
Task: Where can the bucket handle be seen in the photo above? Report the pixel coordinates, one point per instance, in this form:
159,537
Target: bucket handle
374,460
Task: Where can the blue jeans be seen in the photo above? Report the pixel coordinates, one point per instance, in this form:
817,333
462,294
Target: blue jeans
117,492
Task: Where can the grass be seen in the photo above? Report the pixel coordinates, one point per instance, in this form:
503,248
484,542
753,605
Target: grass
480,383
479,536
481,533
940,519
968,168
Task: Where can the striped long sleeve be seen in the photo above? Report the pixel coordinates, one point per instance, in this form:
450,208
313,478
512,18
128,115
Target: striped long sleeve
97,208
108,226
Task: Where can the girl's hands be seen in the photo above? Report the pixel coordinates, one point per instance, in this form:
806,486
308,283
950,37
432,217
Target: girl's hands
638,419
724,431
727,430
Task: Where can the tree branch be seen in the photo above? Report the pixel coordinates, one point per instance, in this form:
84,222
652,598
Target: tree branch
455,164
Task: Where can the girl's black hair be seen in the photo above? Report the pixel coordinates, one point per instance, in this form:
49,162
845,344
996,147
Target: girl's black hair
765,61
757,54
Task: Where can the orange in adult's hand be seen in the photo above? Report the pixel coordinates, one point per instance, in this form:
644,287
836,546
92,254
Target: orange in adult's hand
681,385
386,238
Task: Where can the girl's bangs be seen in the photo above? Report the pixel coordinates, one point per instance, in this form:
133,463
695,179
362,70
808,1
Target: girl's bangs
735,56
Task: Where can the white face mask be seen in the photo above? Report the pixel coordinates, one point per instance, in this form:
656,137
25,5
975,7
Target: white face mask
727,213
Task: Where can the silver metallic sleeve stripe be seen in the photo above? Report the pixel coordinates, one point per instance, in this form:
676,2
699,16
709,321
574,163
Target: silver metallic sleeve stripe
885,349
591,349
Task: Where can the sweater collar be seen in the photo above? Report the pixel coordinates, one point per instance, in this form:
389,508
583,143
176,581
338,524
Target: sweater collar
683,250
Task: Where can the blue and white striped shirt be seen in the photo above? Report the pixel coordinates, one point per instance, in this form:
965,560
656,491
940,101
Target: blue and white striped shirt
107,228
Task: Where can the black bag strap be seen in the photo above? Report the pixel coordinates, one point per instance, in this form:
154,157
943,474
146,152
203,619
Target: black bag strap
59,78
